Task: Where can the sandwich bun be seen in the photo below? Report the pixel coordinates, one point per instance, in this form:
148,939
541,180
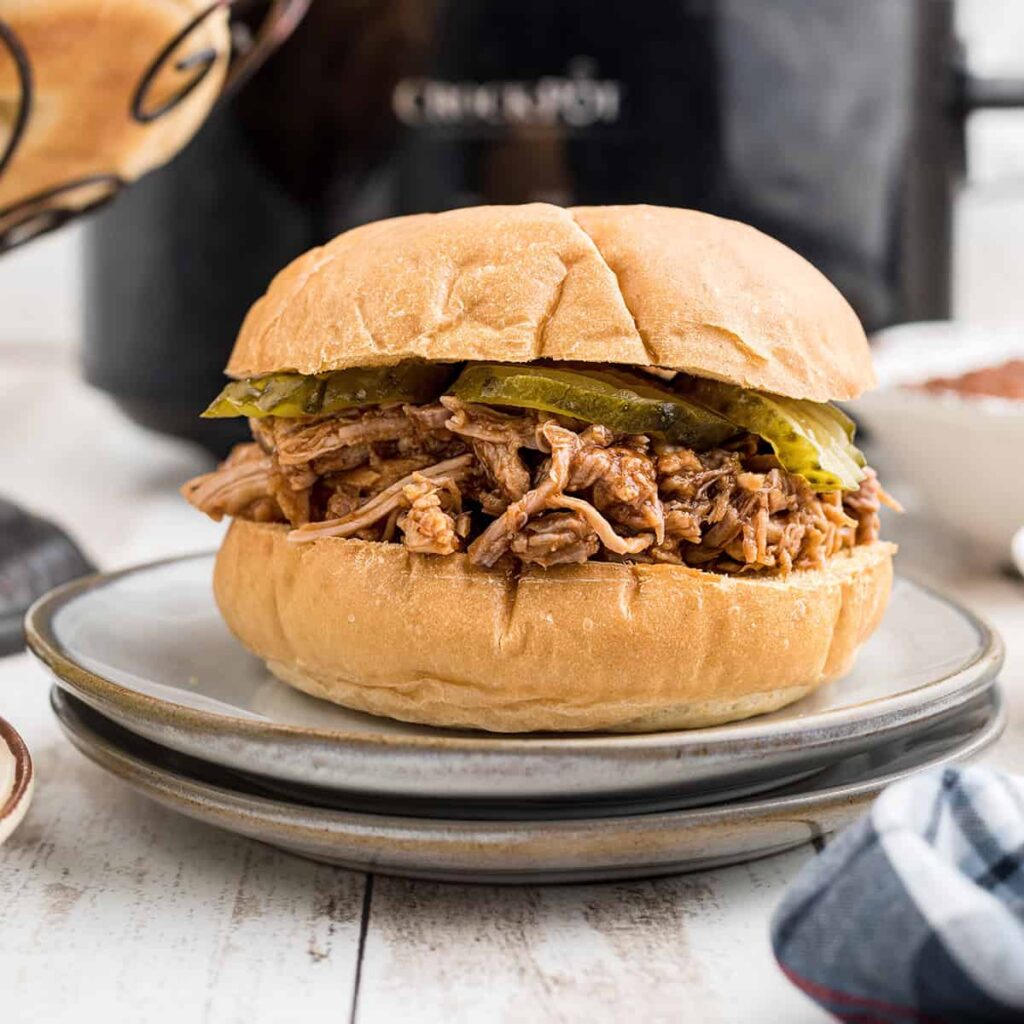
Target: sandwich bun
639,285
598,646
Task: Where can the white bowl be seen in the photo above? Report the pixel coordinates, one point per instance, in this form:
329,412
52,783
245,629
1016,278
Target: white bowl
956,460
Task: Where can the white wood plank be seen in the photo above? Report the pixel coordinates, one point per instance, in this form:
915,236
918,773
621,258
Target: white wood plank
687,948
114,908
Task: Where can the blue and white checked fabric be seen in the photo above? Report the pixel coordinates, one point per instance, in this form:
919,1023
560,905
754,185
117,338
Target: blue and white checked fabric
916,912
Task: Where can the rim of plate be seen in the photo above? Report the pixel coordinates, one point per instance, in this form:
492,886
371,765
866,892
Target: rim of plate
43,643
23,770
137,769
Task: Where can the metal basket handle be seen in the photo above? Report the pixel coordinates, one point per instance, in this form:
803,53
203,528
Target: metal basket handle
280,21
24,71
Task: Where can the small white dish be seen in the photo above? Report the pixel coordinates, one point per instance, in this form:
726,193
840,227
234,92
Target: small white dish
16,779
958,457
147,648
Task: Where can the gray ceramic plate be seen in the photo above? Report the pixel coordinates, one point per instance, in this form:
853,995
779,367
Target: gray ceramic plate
551,850
147,648
16,779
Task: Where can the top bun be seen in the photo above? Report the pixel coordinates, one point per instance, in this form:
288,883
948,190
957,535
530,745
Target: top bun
88,58
642,285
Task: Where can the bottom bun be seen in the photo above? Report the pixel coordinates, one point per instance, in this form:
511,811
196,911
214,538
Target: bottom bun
633,648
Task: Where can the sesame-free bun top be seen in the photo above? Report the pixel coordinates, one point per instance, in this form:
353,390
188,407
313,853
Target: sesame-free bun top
88,58
640,285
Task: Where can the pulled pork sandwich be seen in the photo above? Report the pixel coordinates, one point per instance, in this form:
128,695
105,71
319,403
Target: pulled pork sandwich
526,468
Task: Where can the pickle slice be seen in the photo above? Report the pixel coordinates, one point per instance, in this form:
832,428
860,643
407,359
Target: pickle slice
290,395
811,439
612,398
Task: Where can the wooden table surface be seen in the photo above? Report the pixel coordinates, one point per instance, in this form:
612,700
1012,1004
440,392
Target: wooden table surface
111,905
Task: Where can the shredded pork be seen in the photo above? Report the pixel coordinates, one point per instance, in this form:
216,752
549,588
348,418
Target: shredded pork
535,489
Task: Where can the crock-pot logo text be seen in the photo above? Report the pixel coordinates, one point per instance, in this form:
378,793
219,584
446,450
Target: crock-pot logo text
578,99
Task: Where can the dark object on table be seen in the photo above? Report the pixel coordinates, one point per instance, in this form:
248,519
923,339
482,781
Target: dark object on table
836,127
916,912
35,556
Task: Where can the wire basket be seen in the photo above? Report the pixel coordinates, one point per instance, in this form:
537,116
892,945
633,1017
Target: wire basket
47,210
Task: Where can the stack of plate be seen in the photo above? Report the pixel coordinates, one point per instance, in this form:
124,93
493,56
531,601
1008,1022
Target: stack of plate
153,689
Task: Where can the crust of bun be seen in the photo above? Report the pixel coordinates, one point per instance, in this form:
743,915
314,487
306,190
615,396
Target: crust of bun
88,57
640,285
598,646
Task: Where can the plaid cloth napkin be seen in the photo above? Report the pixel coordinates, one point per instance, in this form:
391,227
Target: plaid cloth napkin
916,912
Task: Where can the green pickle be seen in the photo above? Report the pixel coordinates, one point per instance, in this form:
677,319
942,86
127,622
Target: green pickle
617,400
812,439
292,395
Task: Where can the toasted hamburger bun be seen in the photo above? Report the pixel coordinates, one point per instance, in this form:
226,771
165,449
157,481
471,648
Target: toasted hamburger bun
88,58
641,285
629,648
